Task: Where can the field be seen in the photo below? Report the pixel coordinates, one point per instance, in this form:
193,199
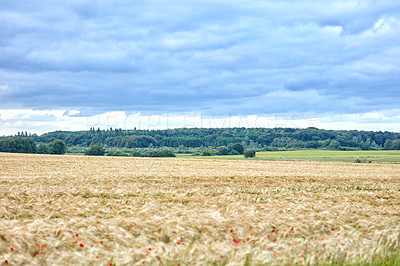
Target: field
133,211
318,155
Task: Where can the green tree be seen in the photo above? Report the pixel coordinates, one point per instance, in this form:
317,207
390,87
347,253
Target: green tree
249,154
366,145
222,150
96,149
57,147
388,144
238,147
334,145
18,145
43,148
396,144
206,153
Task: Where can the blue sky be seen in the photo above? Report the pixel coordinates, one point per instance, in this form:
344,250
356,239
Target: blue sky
66,62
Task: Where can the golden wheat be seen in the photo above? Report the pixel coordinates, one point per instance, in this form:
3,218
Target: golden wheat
141,208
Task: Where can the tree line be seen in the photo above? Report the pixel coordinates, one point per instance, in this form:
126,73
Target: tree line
28,145
211,139
256,138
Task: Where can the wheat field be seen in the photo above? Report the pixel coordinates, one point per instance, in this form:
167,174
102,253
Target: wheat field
77,210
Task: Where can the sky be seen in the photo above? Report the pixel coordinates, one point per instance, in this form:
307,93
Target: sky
72,65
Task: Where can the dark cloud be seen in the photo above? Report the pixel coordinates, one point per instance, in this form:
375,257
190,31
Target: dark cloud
215,56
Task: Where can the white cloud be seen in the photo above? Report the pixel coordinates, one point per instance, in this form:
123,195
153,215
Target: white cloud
4,87
13,121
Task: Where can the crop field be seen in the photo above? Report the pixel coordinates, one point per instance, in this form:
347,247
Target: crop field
318,155
83,210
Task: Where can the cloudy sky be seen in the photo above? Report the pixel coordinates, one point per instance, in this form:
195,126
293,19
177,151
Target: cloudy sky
122,63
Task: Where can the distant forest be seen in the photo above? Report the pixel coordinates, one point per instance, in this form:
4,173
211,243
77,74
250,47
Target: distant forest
259,139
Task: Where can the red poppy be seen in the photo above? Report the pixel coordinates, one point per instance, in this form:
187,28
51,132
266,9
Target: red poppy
149,249
81,245
97,257
5,261
12,249
302,256
273,240
319,253
274,255
292,229
76,234
273,230
231,230
101,241
235,241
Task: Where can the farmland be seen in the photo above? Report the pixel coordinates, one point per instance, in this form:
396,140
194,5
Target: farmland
377,156
174,211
